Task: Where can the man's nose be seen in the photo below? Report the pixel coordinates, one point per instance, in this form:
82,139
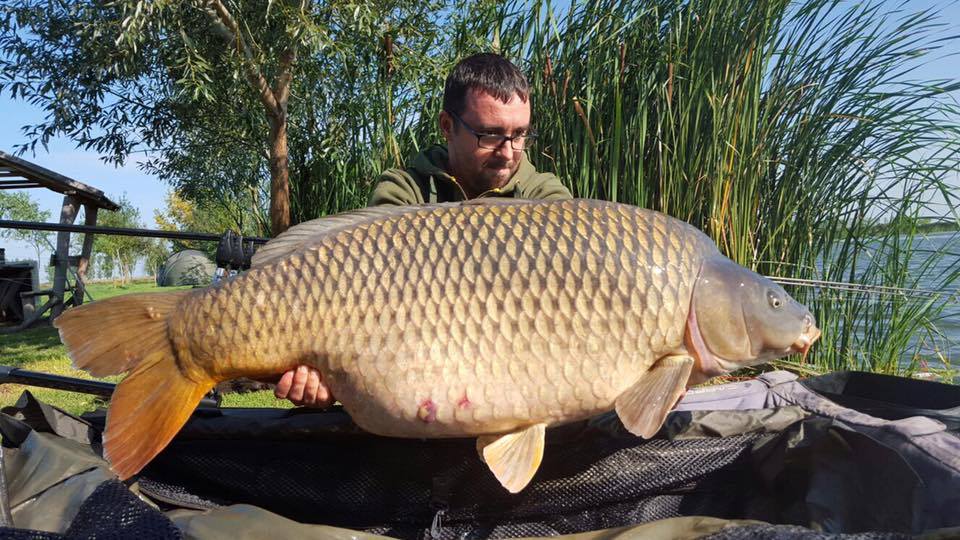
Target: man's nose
505,150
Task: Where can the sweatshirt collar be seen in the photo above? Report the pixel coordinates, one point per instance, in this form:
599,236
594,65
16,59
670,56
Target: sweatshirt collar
435,160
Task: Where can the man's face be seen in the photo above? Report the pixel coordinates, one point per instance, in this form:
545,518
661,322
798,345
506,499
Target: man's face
480,169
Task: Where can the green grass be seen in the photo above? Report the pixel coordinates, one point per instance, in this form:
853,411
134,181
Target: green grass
105,289
39,349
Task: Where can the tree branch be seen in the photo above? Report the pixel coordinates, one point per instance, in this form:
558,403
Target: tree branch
282,89
227,26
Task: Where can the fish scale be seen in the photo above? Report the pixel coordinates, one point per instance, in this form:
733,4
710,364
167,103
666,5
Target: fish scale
453,322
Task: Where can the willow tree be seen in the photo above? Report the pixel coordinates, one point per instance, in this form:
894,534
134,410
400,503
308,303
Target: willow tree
20,206
206,89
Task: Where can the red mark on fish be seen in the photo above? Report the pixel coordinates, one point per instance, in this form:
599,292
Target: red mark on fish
428,411
464,402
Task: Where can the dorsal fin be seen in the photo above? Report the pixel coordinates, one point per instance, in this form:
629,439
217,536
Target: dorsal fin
308,232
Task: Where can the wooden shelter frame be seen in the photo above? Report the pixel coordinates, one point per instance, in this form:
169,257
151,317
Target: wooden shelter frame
16,173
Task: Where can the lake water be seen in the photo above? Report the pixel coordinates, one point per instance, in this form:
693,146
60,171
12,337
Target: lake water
949,262
929,276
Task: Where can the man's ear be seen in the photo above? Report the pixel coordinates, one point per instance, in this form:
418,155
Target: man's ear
446,124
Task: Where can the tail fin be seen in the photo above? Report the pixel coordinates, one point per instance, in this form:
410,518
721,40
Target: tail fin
129,333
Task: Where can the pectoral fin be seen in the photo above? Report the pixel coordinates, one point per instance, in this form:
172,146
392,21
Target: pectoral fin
515,457
643,407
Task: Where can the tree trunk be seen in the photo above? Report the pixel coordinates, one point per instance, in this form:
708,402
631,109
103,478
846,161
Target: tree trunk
279,175
119,262
274,101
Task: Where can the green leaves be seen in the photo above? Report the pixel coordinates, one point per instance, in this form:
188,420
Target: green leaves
21,207
121,253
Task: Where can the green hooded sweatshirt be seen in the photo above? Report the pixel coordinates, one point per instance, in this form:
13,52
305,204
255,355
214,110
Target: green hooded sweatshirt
426,181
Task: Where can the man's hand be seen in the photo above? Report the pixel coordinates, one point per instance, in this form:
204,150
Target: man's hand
304,386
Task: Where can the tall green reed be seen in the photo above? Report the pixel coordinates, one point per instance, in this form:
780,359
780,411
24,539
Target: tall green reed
785,130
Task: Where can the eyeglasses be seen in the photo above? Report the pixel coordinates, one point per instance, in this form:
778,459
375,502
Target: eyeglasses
492,141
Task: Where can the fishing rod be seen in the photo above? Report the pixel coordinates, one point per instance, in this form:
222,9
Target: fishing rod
12,375
234,252
119,231
862,287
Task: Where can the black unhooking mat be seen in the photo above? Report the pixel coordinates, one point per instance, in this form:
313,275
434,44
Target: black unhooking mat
588,480
814,474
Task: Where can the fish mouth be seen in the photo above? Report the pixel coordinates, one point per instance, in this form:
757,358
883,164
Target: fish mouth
807,338
801,346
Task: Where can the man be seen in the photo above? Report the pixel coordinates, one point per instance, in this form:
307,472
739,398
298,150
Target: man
486,124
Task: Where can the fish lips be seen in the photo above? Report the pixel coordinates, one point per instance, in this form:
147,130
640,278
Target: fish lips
801,345
806,340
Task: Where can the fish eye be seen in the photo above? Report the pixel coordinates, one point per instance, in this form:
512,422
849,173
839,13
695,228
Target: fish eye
774,299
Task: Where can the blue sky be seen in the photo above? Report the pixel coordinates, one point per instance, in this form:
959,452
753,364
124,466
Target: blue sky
147,193
144,191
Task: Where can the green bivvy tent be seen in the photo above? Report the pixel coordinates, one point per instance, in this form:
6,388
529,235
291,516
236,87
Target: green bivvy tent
847,455
187,267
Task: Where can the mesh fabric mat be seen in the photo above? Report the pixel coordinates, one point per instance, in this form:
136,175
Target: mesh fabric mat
590,479
110,512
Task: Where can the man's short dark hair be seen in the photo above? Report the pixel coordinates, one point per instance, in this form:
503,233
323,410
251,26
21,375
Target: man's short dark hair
488,72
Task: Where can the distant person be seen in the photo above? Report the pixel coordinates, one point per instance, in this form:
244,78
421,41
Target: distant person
486,123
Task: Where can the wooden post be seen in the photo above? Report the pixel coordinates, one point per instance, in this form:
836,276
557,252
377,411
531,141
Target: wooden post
62,256
89,219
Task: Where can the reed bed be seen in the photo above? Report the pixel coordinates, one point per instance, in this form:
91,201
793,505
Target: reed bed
794,133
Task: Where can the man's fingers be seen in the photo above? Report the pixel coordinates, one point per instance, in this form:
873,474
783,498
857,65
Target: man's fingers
324,399
316,394
310,389
283,385
303,386
300,377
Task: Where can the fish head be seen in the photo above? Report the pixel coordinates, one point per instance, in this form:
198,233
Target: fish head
739,318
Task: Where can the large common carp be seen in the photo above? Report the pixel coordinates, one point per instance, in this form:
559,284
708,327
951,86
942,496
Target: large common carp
488,319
